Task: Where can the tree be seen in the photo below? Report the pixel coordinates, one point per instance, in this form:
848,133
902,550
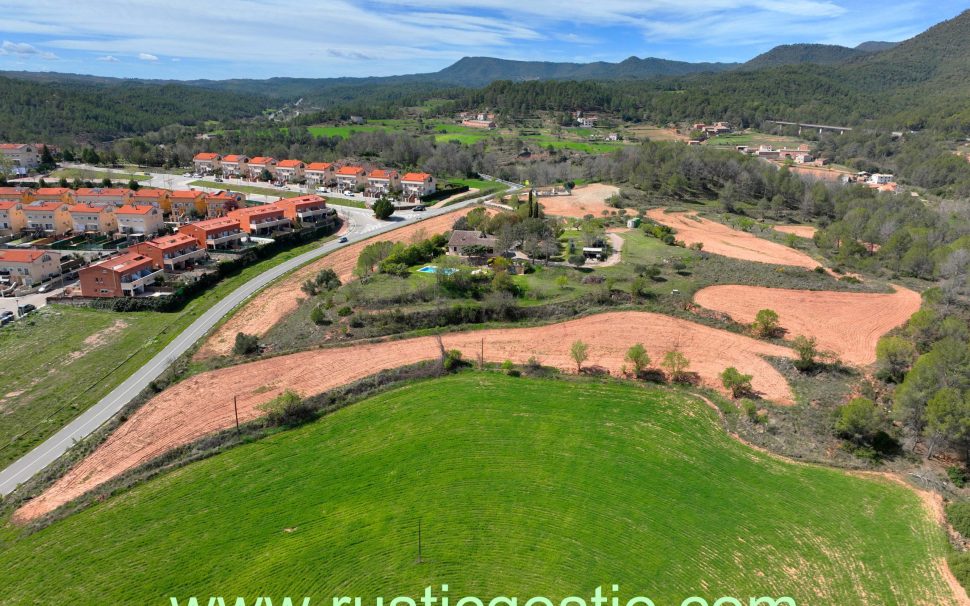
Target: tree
133,185
807,350
948,418
637,356
735,382
766,323
106,182
327,278
858,420
46,159
309,287
577,259
579,352
676,364
265,175
245,344
894,358
383,209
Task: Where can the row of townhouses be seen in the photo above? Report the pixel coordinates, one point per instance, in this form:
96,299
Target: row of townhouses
317,174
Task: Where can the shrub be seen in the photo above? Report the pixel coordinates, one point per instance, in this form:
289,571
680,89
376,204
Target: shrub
309,287
327,279
858,420
383,209
344,311
807,351
245,344
735,382
286,409
676,364
637,356
577,259
319,316
579,352
452,360
957,475
766,323
960,567
958,514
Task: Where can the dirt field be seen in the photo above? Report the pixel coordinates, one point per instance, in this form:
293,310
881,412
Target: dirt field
848,324
802,231
279,299
722,240
203,403
585,200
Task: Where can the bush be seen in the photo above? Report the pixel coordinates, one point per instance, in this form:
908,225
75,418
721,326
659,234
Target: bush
638,357
858,420
958,475
676,364
766,323
383,209
327,279
807,351
245,344
345,311
286,409
960,567
735,382
319,316
452,360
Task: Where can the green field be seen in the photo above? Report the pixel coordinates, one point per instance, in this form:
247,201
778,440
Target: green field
62,360
246,189
523,487
96,175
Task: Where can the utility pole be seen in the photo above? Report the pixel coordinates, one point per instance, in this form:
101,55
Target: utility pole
235,408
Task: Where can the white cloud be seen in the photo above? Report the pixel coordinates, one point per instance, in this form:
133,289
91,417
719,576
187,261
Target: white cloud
24,50
147,57
109,59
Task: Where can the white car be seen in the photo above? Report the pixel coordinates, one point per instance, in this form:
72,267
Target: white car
186,174
348,193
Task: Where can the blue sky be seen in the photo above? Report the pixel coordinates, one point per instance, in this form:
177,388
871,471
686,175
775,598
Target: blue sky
263,38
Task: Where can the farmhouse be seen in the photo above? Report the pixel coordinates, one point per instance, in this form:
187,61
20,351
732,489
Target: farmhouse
172,252
417,184
260,163
139,220
319,173
30,266
382,181
86,218
235,165
213,234
206,162
471,243
12,218
307,209
290,170
349,177
260,220
124,275
48,217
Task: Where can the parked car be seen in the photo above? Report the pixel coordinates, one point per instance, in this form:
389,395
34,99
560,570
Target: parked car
45,287
321,190
186,174
342,239
6,320
348,193
218,179
26,309
419,208
6,314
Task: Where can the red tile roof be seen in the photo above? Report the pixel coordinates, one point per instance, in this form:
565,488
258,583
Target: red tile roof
21,256
290,164
12,191
85,208
51,191
13,145
206,156
216,223
149,193
129,209
262,160
102,191
8,204
255,211
415,177
382,174
319,165
173,241
351,170
187,193
46,206
235,158
300,201
123,262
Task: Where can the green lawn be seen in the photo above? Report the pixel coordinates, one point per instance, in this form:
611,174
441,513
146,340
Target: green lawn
247,189
64,359
523,487
96,175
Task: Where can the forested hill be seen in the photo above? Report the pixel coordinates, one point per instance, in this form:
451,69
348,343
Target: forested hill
793,54
62,112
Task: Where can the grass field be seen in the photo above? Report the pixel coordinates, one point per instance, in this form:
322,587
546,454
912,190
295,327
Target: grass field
523,487
96,175
64,359
247,189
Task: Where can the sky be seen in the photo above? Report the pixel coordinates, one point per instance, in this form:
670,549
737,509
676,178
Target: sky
188,39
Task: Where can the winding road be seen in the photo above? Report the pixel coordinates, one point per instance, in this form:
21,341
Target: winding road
362,226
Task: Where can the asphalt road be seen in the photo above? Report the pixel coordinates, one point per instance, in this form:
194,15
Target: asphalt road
362,226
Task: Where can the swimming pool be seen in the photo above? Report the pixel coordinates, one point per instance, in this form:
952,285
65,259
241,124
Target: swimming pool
433,269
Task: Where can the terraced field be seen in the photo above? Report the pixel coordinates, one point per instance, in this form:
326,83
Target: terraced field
522,486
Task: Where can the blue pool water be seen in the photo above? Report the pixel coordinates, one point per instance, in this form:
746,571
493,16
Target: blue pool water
433,269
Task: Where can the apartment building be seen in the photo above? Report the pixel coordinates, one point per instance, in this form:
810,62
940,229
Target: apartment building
173,252
29,266
349,177
52,218
382,181
290,170
211,234
417,184
319,173
207,162
310,209
260,220
139,220
124,275
86,218
235,165
12,217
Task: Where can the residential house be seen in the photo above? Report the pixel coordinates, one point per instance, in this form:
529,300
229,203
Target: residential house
767,152
172,252
212,234
290,170
307,209
381,181
235,165
417,184
472,243
139,220
349,177
103,196
154,197
478,123
29,266
186,203
802,155
217,205
125,275
319,173
260,163
51,218
12,217
880,179
587,121
86,218
21,155
51,194
21,194
260,220
207,162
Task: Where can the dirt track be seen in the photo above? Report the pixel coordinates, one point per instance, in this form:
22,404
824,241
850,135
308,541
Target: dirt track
280,299
802,231
585,200
203,403
722,240
846,323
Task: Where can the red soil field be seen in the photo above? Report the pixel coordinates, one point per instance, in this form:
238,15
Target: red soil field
722,240
802,231
846,323
204,403
281,298
585,200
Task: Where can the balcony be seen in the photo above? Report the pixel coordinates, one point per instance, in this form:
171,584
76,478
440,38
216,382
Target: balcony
268,223
311,214
217,240
145,278
183,256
